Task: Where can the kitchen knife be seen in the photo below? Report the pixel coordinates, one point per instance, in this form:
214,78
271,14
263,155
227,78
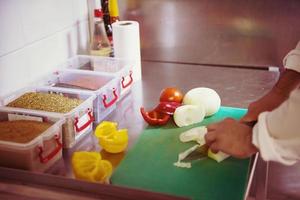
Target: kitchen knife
198,154
201,152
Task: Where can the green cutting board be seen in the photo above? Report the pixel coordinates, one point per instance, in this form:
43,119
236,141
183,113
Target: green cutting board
148,165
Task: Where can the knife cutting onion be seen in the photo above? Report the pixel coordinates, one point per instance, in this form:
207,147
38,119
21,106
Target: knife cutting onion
196,134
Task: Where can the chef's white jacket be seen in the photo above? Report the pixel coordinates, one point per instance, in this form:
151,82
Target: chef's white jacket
277,133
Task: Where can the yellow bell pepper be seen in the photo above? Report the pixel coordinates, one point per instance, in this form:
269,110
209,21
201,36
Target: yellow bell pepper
90,167
111,139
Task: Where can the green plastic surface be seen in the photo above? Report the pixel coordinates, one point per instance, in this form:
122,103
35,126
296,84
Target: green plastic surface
149,165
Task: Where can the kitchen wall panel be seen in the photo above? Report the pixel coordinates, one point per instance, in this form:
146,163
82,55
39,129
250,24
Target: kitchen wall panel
46,55
80,9
11,33
14,73
36,36
43,18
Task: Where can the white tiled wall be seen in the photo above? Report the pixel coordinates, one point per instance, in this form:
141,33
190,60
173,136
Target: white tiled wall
36,36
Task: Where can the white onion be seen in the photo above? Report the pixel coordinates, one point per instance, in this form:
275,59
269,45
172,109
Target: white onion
206,97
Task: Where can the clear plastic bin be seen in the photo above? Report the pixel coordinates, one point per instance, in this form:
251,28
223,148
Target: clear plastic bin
120,68
79,121
41,152
104,86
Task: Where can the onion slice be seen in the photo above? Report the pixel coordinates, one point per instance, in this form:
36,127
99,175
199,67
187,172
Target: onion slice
195,134
188,115
183,155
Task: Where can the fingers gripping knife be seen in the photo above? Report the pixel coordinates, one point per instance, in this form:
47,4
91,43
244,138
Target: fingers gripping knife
201,151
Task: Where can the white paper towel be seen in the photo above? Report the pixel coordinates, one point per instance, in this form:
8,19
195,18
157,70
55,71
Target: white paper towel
126,43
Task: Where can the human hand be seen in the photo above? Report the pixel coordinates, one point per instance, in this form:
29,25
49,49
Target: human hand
231,137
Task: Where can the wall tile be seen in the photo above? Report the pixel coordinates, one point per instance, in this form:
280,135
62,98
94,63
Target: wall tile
11,35
14,72
38,35
80,10
43,18
47,54
36,60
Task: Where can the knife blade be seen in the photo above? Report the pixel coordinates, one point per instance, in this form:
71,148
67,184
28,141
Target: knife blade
201,152
198,154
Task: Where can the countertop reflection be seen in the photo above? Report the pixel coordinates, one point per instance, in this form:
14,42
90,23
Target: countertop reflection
236,87
245,33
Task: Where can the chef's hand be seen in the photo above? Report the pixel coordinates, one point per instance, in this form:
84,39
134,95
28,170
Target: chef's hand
288,81
231,137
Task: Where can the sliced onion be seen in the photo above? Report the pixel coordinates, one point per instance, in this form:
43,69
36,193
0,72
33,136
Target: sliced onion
183,155
188,114
195,134
219,157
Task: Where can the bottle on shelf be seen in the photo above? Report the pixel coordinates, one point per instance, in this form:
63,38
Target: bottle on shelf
106,19
100,44
113,11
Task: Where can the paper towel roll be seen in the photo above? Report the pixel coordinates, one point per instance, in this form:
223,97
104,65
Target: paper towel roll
126,43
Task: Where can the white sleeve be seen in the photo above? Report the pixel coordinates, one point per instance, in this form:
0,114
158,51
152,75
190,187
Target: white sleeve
277,133
292,59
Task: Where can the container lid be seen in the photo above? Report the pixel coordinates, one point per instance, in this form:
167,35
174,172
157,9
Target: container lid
98,13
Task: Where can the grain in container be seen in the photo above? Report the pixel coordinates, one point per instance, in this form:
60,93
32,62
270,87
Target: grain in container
75,106
104,86
30,141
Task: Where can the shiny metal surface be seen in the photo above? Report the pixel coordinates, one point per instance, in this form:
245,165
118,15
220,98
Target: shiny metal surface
262,178
237,87
19,184
255,33
284,182
248,33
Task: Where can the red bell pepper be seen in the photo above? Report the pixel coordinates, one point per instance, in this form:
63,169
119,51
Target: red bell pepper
167,107
155,117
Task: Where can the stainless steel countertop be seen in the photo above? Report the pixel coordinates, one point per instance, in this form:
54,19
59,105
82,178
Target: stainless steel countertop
245,33
254,34
237,87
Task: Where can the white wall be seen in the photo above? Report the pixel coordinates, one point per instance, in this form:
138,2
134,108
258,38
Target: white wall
36,36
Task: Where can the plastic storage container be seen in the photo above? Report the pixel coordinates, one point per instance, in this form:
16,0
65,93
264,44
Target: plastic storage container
104,86
121,68
79,121
41,152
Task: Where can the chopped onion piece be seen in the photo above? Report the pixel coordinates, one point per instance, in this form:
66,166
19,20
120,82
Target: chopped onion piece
219,157
194,134
183,155
183,164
